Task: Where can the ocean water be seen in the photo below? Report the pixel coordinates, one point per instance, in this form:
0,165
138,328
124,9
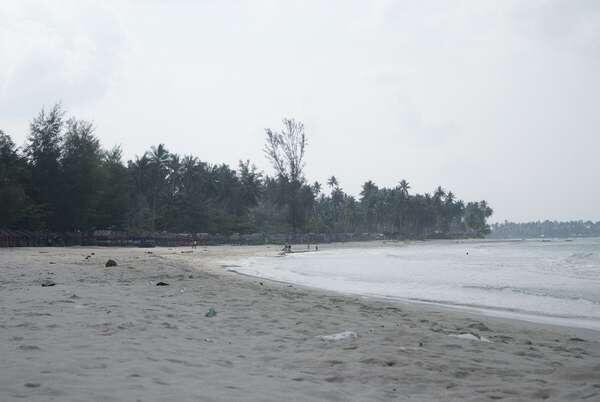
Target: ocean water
549,281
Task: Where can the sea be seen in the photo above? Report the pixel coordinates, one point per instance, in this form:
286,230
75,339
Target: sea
553,281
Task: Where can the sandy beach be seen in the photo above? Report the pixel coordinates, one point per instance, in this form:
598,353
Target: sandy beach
112,334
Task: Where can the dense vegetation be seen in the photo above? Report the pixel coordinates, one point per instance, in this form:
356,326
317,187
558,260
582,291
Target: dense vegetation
528,230
62,180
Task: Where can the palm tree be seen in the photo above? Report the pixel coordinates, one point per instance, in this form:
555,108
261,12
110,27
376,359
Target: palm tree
316,188
159,161
159,155
439,193
336,196
251,182
404,187
368,189
368,202
332,182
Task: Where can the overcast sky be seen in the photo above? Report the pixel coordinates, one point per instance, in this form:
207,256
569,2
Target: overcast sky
493,100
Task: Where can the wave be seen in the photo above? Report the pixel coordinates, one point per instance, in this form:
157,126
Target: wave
538,292
449,303
582,257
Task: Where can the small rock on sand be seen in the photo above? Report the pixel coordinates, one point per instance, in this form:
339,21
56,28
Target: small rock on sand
110,263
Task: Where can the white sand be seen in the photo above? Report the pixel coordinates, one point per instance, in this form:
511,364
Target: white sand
111,334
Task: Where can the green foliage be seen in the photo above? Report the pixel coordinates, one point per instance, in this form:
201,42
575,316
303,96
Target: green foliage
14,181
64,181
44,152
476,214
114,194
82,172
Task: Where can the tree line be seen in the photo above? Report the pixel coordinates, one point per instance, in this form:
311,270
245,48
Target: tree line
548,229
63,180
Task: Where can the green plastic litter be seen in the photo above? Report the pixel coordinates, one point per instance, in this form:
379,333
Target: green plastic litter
211,312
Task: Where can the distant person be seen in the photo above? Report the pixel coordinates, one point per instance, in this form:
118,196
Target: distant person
195,244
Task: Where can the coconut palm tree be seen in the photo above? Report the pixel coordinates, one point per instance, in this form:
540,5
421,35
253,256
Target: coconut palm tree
439,193
404,187
332,182
316,188
159,158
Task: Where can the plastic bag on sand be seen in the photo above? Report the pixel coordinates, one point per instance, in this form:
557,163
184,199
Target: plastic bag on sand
339,336
471,337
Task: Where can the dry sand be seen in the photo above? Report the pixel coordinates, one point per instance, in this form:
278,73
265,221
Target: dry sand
111,334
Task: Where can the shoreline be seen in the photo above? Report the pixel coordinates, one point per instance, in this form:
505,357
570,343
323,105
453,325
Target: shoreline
235,253
112,334
477,311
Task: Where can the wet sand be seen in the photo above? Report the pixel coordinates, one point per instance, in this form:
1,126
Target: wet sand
111,334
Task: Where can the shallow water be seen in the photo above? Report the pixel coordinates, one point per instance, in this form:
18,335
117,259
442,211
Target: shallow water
550,281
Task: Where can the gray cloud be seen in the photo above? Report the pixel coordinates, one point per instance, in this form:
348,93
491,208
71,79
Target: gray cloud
67,51
565,25
494,100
